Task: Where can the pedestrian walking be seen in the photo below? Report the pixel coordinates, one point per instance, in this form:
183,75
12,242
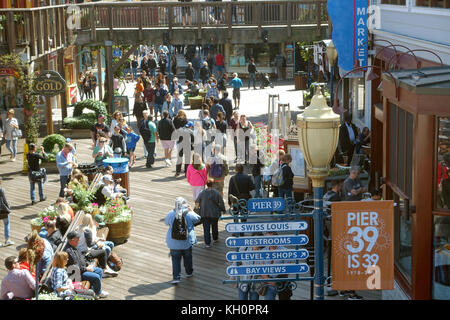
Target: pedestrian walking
165,131
186,12
237,84
117,142
5,210
184,130
35,175
211,206
196,175
87,86
212,91
348,134
80,83
93,85
252,73
219,61
12,133
227,105
216,108
189,72
278,62
196,64
150,136
148,99
240,185
134,67
131,141
217,169
151,66
256,172
245,128
181,237
65,163
205,73
222,84
285,189
176,105
98,129
222,127
160,94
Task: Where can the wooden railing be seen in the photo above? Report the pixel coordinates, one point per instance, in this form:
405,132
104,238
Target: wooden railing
46,29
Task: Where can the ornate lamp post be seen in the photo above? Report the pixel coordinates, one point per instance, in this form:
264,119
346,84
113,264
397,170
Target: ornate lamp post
332,57
318,133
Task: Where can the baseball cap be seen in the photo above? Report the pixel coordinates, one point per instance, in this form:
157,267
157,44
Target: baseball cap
100,116
190,124
99,219
72,234
107,177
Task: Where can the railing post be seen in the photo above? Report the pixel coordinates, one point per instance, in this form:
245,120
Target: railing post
199,20
46,31
318,16
259,16
140,18
289,19
110,16
92,22
11,31
229,18
32,35
39,33
170,17
63,25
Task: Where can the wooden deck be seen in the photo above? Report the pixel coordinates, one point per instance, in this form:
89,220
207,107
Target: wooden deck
147,267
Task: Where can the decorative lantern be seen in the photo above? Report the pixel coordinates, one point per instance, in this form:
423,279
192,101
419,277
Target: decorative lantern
318,133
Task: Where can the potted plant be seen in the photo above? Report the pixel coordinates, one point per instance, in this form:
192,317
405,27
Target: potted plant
49,213
118,217
82,197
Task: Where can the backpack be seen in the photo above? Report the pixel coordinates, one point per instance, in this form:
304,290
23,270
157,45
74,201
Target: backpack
179,228
206,124
115,262
278,177
216,170
144,130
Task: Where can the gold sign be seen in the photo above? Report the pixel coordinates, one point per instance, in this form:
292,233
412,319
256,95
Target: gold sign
49,83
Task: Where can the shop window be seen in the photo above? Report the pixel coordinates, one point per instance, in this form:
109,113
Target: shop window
359,98
9,96
400,181
443,164
441,258
396,2
433,3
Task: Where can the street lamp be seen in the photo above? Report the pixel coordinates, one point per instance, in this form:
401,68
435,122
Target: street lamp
332,57
318,133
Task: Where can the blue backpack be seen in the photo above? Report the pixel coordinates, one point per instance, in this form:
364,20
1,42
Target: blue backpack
216,170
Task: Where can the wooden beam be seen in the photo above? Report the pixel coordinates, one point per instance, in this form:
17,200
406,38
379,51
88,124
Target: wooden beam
124,57
11,32
109,77
64,94
100,73
93,23
48,103
199,21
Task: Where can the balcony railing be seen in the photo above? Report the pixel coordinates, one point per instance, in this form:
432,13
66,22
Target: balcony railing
45,29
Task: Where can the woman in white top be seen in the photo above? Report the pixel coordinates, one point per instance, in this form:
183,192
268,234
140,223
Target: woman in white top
11,124
117,119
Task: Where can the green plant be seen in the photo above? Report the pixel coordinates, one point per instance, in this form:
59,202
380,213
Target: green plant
116,211
49,213
85,121
97,106
81,196
53,142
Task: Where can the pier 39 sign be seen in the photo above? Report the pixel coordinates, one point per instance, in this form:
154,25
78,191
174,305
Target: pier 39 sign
363,245
49,83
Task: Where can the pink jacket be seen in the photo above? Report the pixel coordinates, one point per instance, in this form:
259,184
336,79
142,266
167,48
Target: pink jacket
196,178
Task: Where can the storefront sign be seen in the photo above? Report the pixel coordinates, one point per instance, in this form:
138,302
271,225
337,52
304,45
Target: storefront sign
49,83
349,18
267,255
272,226
363,251
266,204
6,72
266,241
271,269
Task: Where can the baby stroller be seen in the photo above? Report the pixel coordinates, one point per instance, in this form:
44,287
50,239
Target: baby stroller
265,80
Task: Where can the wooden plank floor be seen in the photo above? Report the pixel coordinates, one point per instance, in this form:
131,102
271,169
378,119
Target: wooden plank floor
147,267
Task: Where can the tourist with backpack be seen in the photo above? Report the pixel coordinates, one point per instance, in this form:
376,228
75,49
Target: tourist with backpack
196,175
181,237
240,185
217,169
211,205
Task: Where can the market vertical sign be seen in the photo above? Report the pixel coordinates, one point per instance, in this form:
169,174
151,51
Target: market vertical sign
350,31
363,245
49,83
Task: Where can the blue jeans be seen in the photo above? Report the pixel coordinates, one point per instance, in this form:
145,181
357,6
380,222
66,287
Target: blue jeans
271,293
176,262
252,78
134,71
285,193
258,186
63,180
13,148
41,190
247,295
95,279
207,224
196,74
109,245
153,73
158,109
6,227
150,146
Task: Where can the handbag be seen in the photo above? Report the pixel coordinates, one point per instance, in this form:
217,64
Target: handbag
16,133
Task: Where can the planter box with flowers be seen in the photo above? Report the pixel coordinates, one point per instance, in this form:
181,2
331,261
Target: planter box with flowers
48,213
117,216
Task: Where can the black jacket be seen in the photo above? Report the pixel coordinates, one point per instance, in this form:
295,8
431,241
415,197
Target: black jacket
75,258
227,105
4,205
251,68
344,138
138,108
211,203
288,177
55,239
189,73
165,129
204,73
256,168
244,183
33,161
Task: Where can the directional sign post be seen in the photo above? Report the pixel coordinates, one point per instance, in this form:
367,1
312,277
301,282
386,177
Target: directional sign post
273,226
233,242
265,204
271,269
267,255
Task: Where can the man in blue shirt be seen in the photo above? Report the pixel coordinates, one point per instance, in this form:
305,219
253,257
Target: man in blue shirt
181,248
236,83
65,164
216,108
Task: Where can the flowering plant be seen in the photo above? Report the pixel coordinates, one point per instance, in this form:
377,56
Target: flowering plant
116,211
49,213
